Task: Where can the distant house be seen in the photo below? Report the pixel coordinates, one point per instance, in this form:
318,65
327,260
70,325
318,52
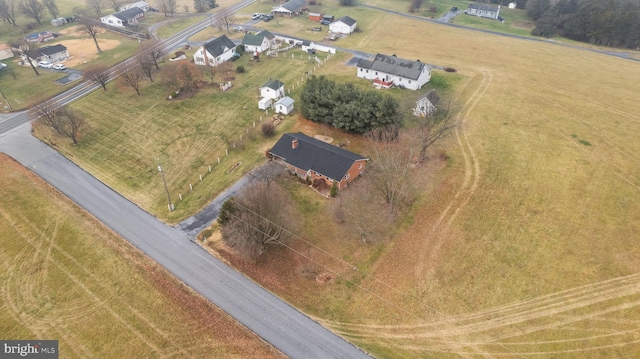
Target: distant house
290,8
513,5
124,18
284,105
489,11
142,5
5,52
344,25
315,16
426,105
307,46
310,158
40,36
51,53
387,71
215,52
273,89
261,41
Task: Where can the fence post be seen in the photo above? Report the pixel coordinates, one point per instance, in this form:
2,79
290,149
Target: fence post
200,178
209,168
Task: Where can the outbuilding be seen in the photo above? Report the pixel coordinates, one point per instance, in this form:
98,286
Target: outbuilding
344,25
285,105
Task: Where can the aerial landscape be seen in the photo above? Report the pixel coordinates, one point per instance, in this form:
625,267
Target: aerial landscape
320,179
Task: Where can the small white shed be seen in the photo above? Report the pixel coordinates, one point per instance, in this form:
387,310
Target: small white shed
513,5
265,103
344,25
284,105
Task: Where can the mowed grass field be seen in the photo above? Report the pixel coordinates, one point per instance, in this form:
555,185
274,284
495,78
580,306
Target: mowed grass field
65,276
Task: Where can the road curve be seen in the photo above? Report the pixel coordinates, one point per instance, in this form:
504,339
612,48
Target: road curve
287,329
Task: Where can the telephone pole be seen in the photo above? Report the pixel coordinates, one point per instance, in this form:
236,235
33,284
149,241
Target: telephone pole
170,205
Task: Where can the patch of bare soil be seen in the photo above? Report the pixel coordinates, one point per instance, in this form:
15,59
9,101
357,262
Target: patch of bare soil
523,24
323,138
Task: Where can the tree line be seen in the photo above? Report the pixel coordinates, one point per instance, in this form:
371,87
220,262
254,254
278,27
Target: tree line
602,22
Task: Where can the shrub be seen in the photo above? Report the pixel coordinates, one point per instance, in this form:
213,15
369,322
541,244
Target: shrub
268,128
240,69
334,189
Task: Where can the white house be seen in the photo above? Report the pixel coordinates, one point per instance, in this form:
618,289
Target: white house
52,53
261,41
426,105
513,5
139,4
489,11
215,52
284,105
273,89
344,25
290,8
387,71
124,18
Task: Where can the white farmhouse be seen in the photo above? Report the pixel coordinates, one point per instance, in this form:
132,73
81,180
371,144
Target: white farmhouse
344,25
262,41
139,4
273,89
387,71
215,52
124,18
489,11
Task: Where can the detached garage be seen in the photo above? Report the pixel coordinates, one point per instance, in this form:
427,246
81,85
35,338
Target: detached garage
284,105
344,25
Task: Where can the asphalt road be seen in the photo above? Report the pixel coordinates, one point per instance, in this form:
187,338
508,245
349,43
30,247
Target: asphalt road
287,329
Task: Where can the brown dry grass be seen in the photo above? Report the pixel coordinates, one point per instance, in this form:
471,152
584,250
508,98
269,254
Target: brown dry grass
67,277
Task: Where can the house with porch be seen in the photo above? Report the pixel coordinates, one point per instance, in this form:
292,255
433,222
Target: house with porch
316,160
290,8
344,25
52,53
139,4
490,11
258,43
124,18
215,52
386,71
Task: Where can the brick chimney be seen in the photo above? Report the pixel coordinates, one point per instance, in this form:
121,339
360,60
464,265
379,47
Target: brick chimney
294,143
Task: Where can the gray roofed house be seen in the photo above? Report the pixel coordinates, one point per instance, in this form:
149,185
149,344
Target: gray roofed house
347,20
52,53
123,18
218,51
259,42
426,105
388,71
309,157
273,89
344,25
292,7
490,11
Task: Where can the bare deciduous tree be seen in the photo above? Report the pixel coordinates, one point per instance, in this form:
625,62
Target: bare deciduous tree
148,56
45,112
188,75
115,4
64,121
226,19
209,72
390,174
429,129
262,216
8,11
32,9
168,7
98,74
28,51
266,173
169,76
90,27
132,77
52,7
95,5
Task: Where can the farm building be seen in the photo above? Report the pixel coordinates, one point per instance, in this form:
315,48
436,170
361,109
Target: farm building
344,25
215,52
387,71
124,18
40,36
142,5
311,158
489,11
261,41
315,16
290,8
273,89
513,5
284,105
426,105
5,52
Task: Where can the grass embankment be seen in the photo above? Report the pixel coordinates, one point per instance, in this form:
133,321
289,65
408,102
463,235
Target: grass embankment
67,277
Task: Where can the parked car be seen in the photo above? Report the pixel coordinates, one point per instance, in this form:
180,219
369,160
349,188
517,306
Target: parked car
45,64
267,18
59,67
455,8
325,22
256,16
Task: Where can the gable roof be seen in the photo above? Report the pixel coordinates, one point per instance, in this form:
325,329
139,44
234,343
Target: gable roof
347,20
433,97
266,34
51,50
486,7
273,84
394,65
219,46
311,154
254,40
285,101
294,5
129,13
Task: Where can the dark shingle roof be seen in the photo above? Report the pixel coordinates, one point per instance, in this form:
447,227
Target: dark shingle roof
294,5
315,155
394,65
129,13
347,20
273,84
51,50
254,40
433,97
218,46
485,7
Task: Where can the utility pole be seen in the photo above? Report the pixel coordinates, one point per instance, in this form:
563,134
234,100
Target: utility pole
165,185
8,107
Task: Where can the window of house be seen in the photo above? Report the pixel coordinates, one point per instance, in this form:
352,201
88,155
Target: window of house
409,81
360,166
376,72
347,176
199,59
367,71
